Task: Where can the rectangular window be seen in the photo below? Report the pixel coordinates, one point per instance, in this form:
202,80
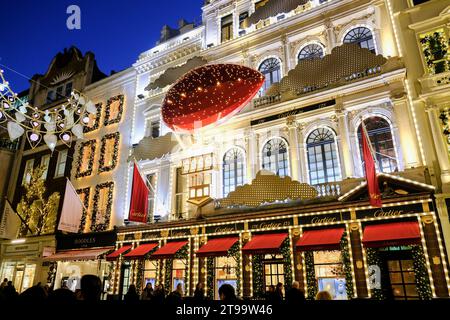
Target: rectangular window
260,4
114,109
45,163
68,90
434,50
94,119
102,201
86,158
178,273
225,273
330,275
242,17
50,96
155,129
227,28
61,164
27,172
273,270
109,152
150,272
59,92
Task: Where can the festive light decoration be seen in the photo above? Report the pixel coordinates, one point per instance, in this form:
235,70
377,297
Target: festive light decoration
83,147
63,121
347,265
210,277
435,51
209,94
421,273
104,167
311,283
257,274
86,193
109,119
374,259
106,211
94,121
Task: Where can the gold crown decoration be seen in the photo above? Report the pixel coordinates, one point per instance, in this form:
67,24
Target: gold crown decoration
62,122
268,188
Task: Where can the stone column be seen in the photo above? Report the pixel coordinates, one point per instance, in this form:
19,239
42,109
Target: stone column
303,174
408,137
330,35
347,165
293,148
286,56
252,164
440,145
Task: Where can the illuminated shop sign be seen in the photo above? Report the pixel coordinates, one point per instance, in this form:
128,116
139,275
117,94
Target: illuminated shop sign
389,212
87,240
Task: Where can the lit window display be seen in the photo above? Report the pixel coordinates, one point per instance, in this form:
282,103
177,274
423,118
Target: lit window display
151,272
329,271
178,273
225,273
273,270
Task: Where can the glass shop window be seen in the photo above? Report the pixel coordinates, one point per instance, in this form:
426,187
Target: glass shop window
109,151
273,267
178,273
329,271
225,273
86,156
28,171
150,272
61,163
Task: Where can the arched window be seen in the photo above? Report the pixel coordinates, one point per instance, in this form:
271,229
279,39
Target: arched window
233,170
271,69
275,158
362,36
380,135
310,51
323,159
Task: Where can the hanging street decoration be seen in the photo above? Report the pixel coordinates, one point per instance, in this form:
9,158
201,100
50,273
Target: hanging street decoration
63,122
208,95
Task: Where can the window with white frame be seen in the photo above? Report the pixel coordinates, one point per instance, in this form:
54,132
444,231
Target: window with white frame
28,171
275,157
323,162
380,135
233,170
45,163
226,27
271,69
362,36
61,164
310,51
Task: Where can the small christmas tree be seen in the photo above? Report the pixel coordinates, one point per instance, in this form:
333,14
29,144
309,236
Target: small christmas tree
36,211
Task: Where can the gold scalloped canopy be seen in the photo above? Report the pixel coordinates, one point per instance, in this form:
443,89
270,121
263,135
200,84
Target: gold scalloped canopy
268,187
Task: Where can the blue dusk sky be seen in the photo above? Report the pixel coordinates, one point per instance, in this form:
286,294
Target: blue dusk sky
33,31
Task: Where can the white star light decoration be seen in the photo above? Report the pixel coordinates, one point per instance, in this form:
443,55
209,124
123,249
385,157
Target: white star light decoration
63,122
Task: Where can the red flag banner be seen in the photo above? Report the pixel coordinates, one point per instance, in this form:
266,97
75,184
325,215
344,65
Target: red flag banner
371,173
139,198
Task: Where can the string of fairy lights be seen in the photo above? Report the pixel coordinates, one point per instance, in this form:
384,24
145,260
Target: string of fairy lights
59,123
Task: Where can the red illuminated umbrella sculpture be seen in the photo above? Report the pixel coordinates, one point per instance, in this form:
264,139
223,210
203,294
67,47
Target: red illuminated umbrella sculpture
209,95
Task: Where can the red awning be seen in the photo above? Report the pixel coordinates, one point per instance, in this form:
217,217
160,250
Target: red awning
324,239
264,243
217,247
168,250
117,253
391,234
74,255
140,251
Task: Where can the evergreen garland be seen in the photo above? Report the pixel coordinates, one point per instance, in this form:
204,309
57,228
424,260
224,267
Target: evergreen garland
373,259
286,252
86,192
103,167
168,275
345,257
311,283
184,255
108,120
88,144
258,281
210,277
139,275
96,227
235,253
96,121
421,273
435,49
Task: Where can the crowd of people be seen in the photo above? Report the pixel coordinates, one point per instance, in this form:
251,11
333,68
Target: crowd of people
91,290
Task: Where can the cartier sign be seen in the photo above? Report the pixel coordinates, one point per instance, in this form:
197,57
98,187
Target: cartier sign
276,224
236,227
390,211
324,218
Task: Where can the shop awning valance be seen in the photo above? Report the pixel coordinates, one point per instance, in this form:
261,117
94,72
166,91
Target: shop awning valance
217,247
264,243
82,254
391,234
117,253
168,250
325,239
140,251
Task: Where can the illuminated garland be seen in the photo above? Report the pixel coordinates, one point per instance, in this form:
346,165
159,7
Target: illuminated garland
286,252
258,281
140,275
96,124
311,283
105,225
435,49
234,252
168,275
421,273
117,119
210,277
445,116
373,259
88,172
51,274
345,257
86,192
103,167
184,254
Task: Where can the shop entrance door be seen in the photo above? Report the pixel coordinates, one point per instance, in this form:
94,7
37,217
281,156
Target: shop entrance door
124,279
399,278
273,267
